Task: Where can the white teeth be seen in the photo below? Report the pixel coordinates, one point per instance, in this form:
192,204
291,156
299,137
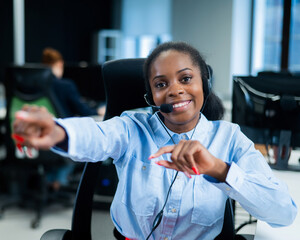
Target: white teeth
177,105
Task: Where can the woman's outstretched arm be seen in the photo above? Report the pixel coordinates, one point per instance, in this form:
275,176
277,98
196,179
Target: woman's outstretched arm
35,127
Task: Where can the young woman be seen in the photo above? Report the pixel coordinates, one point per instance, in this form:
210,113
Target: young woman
65,89
180,163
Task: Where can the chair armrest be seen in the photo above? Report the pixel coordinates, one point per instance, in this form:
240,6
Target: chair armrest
57,234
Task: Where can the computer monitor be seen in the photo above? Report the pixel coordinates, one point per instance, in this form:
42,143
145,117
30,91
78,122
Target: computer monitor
88,78
267,108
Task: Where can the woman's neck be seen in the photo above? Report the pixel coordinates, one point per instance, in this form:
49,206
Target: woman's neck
181,127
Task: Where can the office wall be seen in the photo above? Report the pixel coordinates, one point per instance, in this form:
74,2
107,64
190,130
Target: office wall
144,17
6,35
208,26
66,25
144,24
6,31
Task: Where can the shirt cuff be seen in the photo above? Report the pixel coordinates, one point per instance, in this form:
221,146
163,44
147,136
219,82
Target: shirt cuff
63,146
235,176
233,182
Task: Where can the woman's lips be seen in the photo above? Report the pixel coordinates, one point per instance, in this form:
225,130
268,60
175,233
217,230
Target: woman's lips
181,105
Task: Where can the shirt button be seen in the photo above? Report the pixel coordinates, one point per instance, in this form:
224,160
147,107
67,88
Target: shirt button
228,188
185,137
144,167
173,210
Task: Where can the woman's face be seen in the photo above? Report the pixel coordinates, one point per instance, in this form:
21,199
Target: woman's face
174,79
58,69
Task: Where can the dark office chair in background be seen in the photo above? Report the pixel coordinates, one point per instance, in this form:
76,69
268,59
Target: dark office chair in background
26,176
124,88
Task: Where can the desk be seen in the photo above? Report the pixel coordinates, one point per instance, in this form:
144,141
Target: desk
292,232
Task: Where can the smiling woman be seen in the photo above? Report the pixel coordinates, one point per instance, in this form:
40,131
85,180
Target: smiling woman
175,80
197,74
176,170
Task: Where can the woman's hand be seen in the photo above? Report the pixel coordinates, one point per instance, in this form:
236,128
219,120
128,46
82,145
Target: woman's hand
191,157
34,127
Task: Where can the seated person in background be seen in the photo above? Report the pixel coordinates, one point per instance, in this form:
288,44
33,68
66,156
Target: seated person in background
69,98
65,89
181,165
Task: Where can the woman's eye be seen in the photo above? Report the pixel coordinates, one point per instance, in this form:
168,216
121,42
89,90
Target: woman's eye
160,85
186,79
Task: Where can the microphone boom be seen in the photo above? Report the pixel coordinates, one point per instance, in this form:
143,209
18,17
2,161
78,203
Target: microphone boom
166,108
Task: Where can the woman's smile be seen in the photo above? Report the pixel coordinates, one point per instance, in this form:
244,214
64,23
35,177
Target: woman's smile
181,106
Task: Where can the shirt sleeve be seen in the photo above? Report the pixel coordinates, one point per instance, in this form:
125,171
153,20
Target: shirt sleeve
251,182
88,140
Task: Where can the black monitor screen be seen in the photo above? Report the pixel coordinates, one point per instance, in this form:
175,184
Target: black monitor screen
88,79
267,104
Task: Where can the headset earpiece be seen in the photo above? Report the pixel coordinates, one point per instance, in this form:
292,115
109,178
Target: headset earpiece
148,98
207,84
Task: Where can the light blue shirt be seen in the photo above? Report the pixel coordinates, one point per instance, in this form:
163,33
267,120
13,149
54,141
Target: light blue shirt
195,208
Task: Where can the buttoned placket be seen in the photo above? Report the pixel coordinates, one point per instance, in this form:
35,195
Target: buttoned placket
173,205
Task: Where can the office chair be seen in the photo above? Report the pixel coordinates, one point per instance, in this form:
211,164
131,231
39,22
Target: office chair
30,84
124,88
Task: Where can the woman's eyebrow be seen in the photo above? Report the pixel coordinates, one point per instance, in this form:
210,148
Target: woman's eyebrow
158,76
184,70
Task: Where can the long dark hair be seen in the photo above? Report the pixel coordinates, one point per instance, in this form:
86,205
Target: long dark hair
213,108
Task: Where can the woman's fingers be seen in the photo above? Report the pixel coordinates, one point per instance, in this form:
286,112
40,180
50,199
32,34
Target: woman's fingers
161,151
32,127
188,153
182,156
24,126
173,166
179,157
34,118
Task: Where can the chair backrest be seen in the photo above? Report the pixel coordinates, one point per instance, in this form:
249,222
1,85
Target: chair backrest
124,85
29,84
228,229
124,88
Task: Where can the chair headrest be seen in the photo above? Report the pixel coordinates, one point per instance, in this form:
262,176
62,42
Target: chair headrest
29,80
124,85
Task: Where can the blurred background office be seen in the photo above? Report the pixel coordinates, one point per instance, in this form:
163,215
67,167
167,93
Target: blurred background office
237,37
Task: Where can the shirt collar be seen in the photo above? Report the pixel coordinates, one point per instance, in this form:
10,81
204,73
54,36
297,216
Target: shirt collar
162,137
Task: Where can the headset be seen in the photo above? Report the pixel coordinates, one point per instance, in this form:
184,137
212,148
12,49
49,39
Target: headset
207,85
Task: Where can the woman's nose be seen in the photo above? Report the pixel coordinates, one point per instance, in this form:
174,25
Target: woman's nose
175,88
